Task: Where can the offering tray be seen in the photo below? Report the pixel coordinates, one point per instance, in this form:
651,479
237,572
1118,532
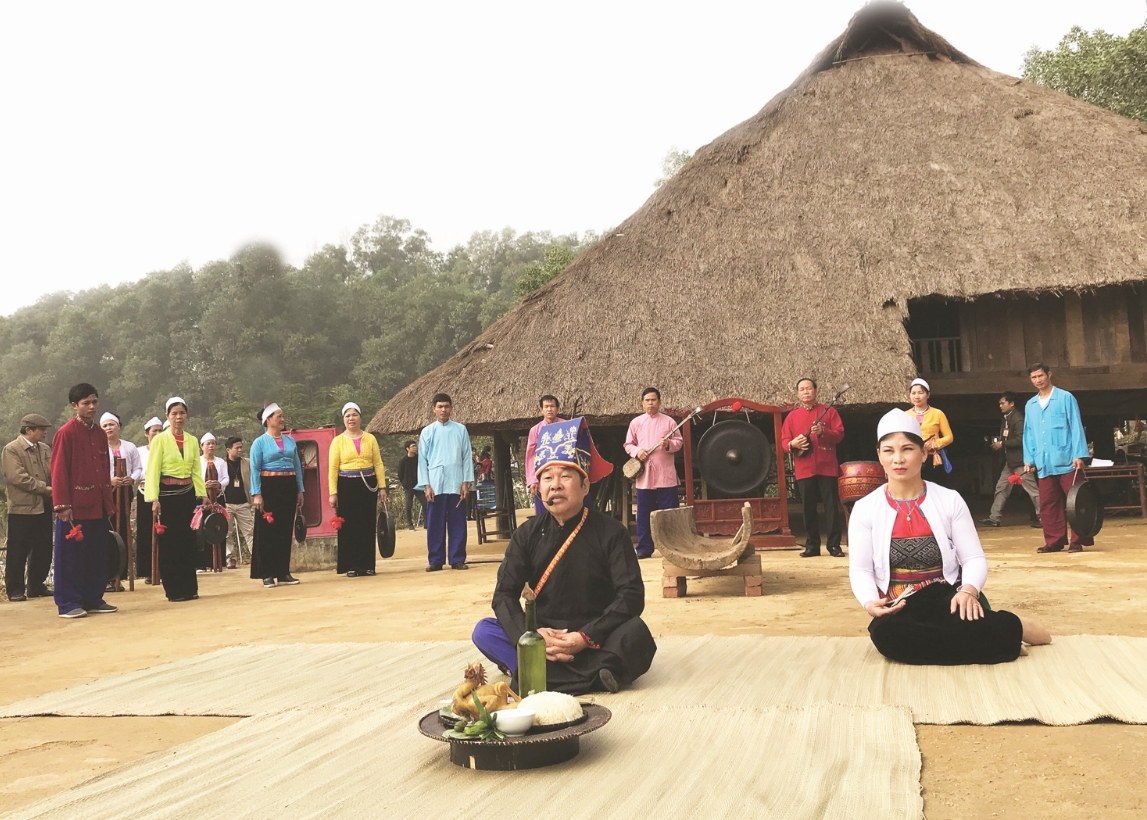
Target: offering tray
538,747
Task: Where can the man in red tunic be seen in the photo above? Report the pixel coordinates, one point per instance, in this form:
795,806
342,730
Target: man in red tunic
813,446
82,500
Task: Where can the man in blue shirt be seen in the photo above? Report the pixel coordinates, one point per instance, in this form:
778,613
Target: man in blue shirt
445,474
1054,449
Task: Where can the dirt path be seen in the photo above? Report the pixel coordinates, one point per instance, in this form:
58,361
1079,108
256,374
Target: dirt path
1006,771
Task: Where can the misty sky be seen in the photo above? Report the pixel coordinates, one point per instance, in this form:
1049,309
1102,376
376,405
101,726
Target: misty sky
136,136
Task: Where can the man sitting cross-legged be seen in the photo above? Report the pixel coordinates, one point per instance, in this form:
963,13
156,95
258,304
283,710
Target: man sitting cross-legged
583,569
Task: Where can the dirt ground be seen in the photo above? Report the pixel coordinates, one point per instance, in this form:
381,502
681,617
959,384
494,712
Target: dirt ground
1021,770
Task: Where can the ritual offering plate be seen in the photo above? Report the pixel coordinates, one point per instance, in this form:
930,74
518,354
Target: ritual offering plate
541,746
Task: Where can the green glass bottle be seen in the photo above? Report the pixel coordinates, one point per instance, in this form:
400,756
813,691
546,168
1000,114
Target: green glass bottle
531,651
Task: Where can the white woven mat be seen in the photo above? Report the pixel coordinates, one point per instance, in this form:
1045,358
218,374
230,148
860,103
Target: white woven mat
809,763
1075,680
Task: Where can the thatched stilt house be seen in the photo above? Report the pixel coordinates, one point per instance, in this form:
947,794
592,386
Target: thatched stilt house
899,209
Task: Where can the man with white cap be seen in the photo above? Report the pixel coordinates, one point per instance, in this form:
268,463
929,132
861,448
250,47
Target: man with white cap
207,446
916,565
143,518
27,473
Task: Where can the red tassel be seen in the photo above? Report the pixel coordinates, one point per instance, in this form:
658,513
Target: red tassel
337,522
1015,478
75,534
270,519
161,528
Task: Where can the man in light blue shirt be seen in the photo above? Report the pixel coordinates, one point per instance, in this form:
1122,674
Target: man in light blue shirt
1054,449
445,474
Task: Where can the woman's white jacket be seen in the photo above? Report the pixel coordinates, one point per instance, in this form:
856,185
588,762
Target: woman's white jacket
870,537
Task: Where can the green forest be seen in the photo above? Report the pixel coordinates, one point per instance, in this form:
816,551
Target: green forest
354,322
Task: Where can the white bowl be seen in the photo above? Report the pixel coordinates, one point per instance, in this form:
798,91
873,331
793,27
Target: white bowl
514,721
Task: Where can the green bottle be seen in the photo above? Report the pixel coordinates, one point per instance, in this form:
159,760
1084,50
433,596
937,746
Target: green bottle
531,651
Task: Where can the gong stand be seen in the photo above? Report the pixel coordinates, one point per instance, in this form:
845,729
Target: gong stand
123,523
735,459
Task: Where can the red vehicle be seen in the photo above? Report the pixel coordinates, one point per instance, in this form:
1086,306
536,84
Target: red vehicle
314,452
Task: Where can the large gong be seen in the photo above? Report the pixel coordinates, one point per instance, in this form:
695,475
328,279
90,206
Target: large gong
734,458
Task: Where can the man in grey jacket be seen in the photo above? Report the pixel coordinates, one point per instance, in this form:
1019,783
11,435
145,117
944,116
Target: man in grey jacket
1011,441
27,472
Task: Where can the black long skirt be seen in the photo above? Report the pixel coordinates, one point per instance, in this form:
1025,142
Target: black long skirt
357,505
143,537
177,544
926,632
271,550
122,495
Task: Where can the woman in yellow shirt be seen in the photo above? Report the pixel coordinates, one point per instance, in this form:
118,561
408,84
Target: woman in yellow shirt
172,485
936,431
357,480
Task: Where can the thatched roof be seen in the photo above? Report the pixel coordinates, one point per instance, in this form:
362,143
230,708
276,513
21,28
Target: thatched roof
894,167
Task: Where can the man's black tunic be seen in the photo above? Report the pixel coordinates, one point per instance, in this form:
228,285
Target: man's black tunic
596,589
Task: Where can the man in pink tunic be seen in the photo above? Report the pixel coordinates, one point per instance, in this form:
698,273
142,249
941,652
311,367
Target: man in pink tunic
657,484
549,406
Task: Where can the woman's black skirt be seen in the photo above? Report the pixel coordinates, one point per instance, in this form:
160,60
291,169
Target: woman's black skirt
357,506
271,550
143,536
177,542
926,632
122,496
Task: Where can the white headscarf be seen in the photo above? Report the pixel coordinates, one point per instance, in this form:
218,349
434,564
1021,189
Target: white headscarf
349,405
897,421
166,424
206,437
171,401
920,382
268,411
153,422
107,416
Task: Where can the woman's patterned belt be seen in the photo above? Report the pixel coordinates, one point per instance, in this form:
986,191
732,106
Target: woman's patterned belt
276,472
356,473
173,481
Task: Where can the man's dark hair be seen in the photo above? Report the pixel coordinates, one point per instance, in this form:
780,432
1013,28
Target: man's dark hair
439,398
409,444
26,427
1008,396
548,397
232,441
81,391
649,390
1038,366
806,379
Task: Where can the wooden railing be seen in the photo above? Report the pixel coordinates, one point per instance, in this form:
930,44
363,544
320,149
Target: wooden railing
940,355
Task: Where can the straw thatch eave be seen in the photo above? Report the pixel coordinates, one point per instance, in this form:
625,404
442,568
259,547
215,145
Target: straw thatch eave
894,168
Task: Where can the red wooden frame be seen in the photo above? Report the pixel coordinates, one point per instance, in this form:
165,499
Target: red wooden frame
722,516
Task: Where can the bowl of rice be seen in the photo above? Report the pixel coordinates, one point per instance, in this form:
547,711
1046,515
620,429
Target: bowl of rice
552,709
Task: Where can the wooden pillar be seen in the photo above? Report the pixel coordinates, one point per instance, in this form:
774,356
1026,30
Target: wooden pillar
1073,318
503,479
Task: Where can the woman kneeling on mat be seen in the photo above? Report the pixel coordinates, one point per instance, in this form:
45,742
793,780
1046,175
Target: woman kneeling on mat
917,567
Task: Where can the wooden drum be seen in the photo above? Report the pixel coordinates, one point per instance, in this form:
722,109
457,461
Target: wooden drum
859,478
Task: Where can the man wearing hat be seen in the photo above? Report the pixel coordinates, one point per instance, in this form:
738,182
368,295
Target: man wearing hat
583,570
27,472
